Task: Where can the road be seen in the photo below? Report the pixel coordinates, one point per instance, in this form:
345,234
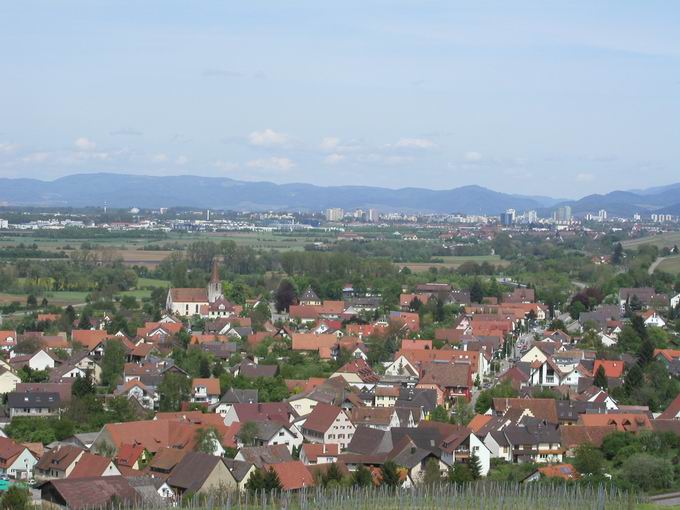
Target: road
656,264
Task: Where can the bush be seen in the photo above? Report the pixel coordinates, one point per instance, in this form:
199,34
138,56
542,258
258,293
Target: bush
646,472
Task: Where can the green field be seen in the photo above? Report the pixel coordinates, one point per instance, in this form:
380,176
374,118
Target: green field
143,283
453,262
666,240
670,265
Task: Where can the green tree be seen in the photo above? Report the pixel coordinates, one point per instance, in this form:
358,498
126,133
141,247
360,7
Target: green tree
83,386
248,433
174,389
647,472
271,481
389,474
113,362
601,378
432,474
476,291
485,399
332,475
475,466
633,380
460,473
284,296
588,460
617,256
462,412
440,414
16,498
646,352
208,439
362,477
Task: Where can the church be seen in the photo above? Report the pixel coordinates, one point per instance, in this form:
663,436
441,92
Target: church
208,302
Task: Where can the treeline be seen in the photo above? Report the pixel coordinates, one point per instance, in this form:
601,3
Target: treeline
22,251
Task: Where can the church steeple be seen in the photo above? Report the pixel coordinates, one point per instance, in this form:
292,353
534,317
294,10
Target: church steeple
215,285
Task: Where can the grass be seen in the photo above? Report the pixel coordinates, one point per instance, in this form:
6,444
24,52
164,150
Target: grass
454,262
152,282
670,265
667,239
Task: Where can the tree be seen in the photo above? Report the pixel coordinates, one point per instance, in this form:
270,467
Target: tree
432,474
462,412
174,389
208,440
646,352
83,386
271,481
634,379
31,301
256,481
617,256
284,296
647,472
16,498
486,397
332,475
476,291
248,433
588,459
113,362
475,466
389,474
440,414
362,477
460,473
601,378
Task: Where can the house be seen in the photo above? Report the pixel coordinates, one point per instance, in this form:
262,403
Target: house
16,460
205,390
313,453
261,456
8,380
280,412
87,493
645,296
147,396
324,343
450,380
39,360
81,364
235,396
251,370
200,473
624,422
539,408
309,298
611,368
653,319
575,435
8,340
293,475
270,433
33,404
386,396
383,418
92,340
89,465
358,373
131,456
58,462
152,435
675,301
565,472
328,424
241,471
534,441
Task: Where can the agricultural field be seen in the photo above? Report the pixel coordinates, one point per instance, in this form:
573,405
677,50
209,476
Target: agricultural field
666,240
670,265
454,262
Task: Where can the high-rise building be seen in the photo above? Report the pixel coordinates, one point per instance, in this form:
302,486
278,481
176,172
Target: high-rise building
372,215
334,214
563,214
508,217
4,224
602,215
531,216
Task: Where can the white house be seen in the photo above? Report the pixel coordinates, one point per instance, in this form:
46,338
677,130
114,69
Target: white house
16,461
39,360
653,319
675,301
328,424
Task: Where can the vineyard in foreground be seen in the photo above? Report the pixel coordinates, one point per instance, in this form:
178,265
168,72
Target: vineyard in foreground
487,496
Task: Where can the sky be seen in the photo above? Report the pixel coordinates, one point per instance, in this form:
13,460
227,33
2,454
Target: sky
556,98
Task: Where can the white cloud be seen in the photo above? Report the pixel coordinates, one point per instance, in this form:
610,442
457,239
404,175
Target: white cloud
181,160
415,143
159,158
333,159
226,166
7,148
584,177
272,163
472,156
36,157
268,138
384,160
84,144
330,143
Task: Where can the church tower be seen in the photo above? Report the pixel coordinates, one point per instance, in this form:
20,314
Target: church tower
215,285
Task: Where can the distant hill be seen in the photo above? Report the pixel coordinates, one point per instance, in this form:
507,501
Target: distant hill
119,190
124,190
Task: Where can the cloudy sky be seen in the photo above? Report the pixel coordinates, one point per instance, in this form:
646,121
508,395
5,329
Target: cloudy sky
554,98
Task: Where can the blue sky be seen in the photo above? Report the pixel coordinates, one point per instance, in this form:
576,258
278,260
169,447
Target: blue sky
553,98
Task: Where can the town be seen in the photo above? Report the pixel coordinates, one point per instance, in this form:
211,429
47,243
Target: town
491,351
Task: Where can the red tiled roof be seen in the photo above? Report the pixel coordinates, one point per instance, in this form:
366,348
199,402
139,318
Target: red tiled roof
322,417
312,342
211,384
611,368
128,454
9,450
189,295
624,422
89,338
293,475
90,464
316,450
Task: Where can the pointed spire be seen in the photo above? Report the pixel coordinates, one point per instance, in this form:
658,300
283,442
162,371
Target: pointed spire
215,277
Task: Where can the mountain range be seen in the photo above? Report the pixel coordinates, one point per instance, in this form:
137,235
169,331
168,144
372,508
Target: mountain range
125,190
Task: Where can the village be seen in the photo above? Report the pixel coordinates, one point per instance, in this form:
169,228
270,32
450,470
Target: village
210,396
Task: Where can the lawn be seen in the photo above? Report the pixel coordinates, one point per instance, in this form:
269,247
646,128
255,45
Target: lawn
454,262
143,283
670,265
668,240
